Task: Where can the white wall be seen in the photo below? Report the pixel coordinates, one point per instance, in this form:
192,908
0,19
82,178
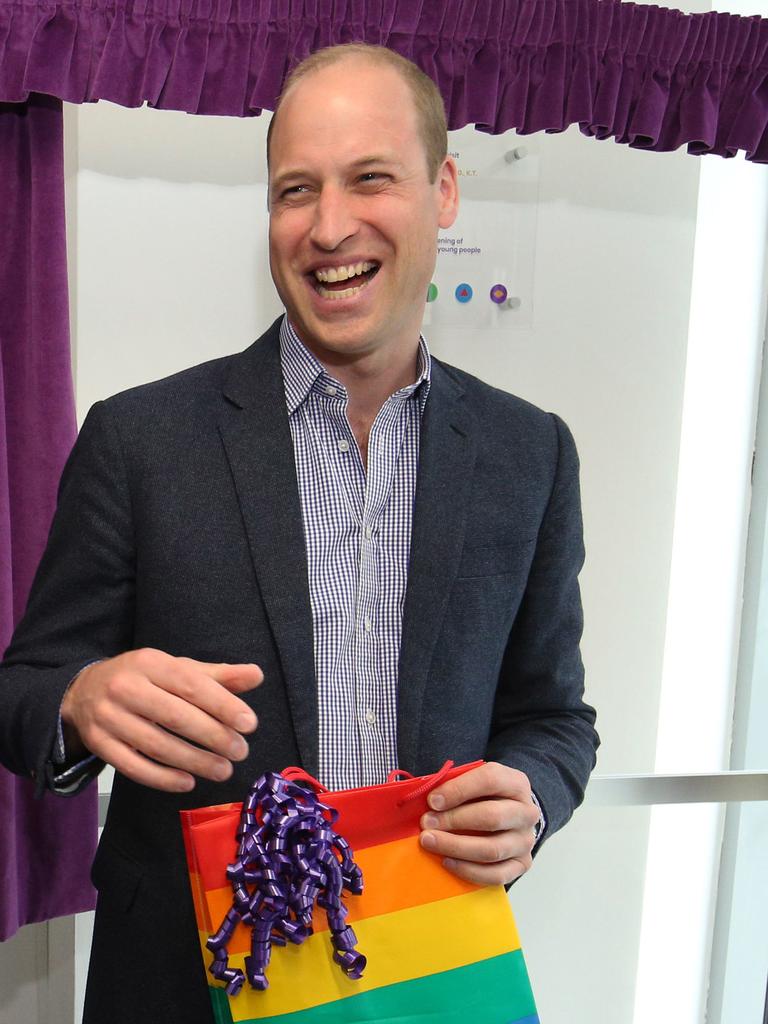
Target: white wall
169,253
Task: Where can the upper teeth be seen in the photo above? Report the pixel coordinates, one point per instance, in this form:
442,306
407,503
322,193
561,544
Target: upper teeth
342,273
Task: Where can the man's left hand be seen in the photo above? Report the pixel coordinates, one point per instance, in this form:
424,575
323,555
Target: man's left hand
483,824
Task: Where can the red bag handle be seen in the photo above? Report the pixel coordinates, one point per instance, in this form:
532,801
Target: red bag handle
295,774
431,783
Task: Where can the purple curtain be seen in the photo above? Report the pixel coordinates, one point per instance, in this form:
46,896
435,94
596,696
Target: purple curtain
47,845
647,76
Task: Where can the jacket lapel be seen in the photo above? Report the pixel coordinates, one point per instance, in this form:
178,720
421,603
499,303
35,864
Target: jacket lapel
257,439
446,461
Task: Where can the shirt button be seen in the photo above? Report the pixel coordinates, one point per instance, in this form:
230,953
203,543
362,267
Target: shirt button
343,445
330,390
370,716
368,625
368,532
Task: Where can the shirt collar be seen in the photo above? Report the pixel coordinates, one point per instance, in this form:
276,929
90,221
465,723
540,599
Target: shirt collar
303,372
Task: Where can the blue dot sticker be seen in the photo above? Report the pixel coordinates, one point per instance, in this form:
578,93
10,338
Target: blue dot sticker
464,292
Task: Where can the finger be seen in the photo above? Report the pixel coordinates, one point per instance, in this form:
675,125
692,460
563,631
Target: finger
151,703
159,688
137,768
483,849
184,678
149,739
489,779
496,815
488,874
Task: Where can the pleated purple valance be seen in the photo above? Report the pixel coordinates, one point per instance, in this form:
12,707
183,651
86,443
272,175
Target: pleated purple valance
651,77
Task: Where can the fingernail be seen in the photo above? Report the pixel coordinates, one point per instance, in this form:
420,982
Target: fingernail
238,749
222,770
436,802
430,821
245,722
449,863
428,841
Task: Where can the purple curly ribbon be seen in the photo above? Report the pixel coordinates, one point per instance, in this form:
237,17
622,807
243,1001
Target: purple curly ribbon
288,858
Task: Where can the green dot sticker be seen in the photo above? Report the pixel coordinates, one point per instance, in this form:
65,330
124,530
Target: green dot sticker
432,292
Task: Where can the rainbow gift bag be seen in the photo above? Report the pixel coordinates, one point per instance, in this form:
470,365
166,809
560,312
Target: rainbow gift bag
438,949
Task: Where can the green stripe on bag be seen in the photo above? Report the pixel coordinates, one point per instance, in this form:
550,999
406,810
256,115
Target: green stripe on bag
493,991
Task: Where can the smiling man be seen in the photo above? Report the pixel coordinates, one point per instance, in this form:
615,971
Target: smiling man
393,543
355,204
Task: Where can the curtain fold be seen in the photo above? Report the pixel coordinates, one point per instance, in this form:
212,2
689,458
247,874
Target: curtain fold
46,845
650,77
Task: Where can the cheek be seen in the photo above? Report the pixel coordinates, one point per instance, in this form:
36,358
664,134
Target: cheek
419,253
284,238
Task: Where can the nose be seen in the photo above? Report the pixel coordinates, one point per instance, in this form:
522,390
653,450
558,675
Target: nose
334,219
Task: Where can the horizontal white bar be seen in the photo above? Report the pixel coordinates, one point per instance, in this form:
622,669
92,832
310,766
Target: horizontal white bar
640,790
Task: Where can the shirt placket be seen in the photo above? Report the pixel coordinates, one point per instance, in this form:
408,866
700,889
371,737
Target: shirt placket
357,533
384,445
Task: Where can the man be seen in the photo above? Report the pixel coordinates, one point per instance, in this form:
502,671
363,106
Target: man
266,508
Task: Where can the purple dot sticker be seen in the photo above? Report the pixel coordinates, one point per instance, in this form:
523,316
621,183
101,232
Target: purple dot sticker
498,294
464,292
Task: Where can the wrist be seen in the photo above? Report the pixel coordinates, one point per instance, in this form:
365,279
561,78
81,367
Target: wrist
74,747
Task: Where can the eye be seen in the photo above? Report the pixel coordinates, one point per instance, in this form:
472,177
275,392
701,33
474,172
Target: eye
293,190
372,177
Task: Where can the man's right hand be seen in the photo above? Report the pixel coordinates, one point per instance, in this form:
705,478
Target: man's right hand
137,711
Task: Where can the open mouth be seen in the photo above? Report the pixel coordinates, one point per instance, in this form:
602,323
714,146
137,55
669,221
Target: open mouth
343,282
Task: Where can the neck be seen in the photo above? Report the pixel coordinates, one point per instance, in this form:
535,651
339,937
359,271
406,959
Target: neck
369,386
369,382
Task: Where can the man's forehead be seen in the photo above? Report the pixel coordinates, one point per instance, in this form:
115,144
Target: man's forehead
355,66
344,114
373,90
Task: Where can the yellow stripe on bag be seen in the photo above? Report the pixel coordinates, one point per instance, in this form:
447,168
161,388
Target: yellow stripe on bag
407,944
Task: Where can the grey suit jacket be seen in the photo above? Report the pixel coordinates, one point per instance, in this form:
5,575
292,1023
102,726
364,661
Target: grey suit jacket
179,527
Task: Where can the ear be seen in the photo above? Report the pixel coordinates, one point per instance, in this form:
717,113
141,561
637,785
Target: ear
448,182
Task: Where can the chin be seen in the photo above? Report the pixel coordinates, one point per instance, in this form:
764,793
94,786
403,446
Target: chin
335,337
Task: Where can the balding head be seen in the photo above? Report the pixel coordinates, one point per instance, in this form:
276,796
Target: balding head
427,101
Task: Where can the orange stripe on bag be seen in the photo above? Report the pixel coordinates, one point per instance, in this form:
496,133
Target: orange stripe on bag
421,878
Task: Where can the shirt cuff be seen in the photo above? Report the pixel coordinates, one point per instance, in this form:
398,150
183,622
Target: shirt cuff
71,779
540,827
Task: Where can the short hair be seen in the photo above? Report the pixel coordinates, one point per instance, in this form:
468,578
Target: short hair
427,100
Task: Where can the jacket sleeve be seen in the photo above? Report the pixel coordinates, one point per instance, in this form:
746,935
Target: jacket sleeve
540,723
81,604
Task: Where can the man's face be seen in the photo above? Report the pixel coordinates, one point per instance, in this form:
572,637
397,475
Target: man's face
350,198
